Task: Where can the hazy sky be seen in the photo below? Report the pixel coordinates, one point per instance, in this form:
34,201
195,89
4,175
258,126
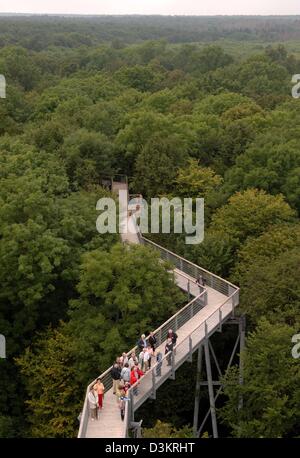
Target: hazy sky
196,7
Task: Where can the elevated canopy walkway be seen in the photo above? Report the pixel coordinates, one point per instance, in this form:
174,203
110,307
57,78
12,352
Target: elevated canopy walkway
207,309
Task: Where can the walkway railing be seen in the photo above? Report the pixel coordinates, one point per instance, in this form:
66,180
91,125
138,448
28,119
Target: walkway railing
165,369
150,382
175,322
191,269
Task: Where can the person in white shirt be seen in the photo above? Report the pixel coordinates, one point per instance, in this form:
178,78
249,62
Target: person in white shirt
93,403
124,359
150,353
147,357
132,360
141,359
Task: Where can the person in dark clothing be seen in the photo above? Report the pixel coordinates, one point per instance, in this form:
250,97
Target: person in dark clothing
141,343
115,375
152,341
169,348
199,280
173,336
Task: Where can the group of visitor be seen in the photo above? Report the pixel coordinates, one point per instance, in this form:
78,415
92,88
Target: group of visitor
128,369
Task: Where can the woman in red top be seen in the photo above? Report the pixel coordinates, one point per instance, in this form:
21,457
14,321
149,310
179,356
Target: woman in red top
135,375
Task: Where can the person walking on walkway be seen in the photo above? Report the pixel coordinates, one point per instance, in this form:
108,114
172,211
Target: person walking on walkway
100,390
158,358
93,403
199,280
135,375
132,360
169,348
147,358
126,387
115,375
173,336
152,340
150,352
120,387
124,359
141,359
125,373
122,403
142,342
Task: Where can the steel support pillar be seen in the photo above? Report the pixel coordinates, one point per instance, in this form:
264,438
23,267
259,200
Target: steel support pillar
210,390
197,391
210,383
242,334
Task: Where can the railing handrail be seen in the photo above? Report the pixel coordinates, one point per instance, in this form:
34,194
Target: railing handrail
188,277
189,262
191,332
154,332
134,349
181,311
154,366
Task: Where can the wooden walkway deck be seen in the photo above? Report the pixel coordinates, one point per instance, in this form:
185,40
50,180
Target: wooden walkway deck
196,321
109,424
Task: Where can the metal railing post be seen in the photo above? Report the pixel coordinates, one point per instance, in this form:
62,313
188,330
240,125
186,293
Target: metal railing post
176,323
181,317
220,320
153,386
173,365
131,410
189,291
159,338
190,349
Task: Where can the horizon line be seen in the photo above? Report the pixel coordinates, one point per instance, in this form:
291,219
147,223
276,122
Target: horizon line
147,15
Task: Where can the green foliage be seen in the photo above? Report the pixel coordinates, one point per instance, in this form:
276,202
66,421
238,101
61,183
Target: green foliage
6,427
166,430
270,391
268,246
249,213
157,164
271,289
181,117
142,78
196,181
215,253
52,385
87,155
125,285
118,301
269,166
17,63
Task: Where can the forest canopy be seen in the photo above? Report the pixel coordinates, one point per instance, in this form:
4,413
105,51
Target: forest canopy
204,110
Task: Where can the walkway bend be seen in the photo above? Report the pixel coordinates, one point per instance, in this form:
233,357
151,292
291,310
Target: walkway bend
205,312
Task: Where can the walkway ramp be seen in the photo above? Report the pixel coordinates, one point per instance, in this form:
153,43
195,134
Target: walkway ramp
207,308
